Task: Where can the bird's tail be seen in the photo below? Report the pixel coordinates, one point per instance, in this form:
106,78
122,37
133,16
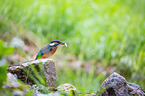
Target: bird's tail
36,58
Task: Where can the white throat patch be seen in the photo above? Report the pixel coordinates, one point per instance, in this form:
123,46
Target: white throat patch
51,44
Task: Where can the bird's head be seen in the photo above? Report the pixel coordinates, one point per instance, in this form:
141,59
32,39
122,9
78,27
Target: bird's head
55,43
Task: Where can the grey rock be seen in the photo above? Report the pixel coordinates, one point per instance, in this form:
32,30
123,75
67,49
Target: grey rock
50,73
135,89
49,94
67,89
48,69
116,85
37,89
12,81
14,85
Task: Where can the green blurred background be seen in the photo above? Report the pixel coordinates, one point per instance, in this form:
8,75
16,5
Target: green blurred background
104,36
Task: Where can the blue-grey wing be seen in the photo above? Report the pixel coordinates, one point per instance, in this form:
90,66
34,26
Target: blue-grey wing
45,49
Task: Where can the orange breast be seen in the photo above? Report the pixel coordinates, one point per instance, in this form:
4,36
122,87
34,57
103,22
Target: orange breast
50,54
46,55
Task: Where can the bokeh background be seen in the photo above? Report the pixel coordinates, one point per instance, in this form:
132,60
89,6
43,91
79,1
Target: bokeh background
104,36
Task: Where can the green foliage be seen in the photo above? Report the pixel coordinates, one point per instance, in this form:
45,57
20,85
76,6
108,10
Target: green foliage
85,82
4,50
3,73
5,92
111,32
37,77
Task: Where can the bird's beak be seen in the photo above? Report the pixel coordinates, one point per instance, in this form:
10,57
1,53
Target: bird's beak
64,43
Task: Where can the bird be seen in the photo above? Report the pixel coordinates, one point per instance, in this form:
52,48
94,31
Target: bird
49,49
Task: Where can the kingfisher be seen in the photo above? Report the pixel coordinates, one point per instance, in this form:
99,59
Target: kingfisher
49,49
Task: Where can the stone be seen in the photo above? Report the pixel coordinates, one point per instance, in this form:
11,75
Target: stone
25,70
116,85
67,89
12,81
135,89
14,85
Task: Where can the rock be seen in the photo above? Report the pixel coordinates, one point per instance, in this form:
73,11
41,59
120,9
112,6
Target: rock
14,85
67,89
37,89
26,70
12,81
135,89
116,85
49,94
50,73
40,90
